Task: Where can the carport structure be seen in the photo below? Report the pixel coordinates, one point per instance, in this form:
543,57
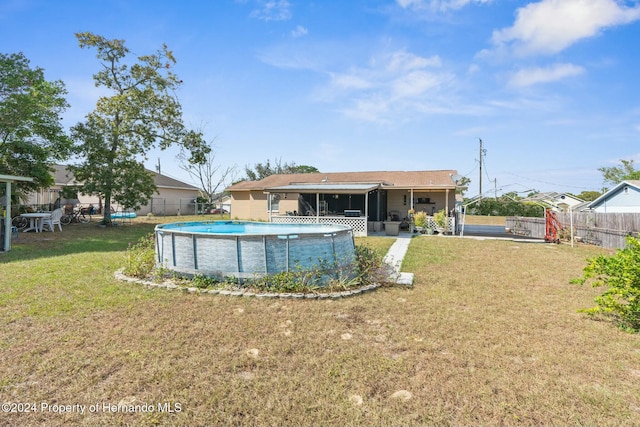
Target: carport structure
8,180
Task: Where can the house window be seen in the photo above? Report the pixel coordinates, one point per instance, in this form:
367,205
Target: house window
275,201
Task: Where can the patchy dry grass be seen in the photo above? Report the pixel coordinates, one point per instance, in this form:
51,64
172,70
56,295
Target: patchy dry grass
488,334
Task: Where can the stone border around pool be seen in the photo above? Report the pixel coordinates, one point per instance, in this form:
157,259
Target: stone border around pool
119,275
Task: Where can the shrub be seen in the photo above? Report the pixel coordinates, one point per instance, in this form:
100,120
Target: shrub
140,258
371,267
440,218
420,219
620,273
203,282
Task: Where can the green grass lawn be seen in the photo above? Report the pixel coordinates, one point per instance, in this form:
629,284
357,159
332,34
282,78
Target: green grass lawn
489,334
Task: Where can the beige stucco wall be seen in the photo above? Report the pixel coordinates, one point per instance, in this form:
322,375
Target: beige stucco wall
253,205
249,205
289,204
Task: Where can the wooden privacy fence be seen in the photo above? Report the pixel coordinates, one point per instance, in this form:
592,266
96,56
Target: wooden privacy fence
609,230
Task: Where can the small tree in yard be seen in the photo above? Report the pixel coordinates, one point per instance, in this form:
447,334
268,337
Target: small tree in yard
620,273
141,112
208,174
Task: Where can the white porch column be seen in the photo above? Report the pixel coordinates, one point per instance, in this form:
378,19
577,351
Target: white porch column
269,205
318,207
412,199
446,203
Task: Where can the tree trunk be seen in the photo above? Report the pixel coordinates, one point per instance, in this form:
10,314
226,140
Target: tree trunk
106,212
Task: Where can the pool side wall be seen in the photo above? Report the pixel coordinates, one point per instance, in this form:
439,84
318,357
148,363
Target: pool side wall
249,256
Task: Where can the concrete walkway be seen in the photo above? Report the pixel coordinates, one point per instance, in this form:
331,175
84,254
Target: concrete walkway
394,258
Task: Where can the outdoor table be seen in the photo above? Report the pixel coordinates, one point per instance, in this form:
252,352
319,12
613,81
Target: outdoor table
35,220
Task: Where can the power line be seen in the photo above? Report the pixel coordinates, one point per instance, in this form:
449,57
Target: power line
550,183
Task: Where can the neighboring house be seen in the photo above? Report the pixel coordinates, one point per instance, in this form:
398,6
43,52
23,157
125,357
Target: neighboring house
223,201
48,197
173,196
624,197
561,202
373,197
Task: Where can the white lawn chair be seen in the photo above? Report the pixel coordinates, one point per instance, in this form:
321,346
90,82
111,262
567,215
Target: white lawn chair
52,220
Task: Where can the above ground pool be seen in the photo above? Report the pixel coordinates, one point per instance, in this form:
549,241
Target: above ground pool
245,250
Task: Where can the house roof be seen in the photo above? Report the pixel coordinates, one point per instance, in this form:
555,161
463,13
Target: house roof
427,180
632,182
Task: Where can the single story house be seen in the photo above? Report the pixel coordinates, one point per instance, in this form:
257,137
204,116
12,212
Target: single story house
364,200
624,197
173,196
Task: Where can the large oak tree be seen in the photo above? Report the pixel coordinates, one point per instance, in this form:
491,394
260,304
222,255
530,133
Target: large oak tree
31,135
140,113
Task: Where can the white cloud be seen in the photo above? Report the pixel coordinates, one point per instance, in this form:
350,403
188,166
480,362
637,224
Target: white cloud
405,61
550,26
372,109
414,84
350,81
392,83
299,31
532,76
273,10
437,5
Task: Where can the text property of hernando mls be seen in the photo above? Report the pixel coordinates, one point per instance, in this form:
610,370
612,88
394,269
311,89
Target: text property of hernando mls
98,407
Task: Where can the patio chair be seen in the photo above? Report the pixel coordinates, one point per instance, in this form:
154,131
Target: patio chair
52,220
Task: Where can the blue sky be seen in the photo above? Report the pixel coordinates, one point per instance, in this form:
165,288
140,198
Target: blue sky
549,86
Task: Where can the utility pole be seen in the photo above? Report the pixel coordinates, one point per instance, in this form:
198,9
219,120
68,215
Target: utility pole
482,152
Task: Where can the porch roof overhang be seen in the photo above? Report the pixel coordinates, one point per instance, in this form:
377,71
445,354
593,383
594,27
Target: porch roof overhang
420,187
13,178
324,188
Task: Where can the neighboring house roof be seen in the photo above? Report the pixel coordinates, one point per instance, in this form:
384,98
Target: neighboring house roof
584,206
164,181
613,192
63,176
417,180
553,198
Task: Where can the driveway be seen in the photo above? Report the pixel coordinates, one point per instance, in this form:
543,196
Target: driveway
492,231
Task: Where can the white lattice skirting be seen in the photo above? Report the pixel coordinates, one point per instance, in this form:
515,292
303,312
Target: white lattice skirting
359,224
